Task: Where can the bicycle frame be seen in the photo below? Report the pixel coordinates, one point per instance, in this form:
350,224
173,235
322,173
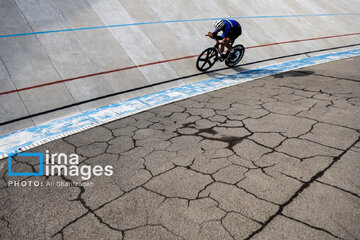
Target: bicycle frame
217,46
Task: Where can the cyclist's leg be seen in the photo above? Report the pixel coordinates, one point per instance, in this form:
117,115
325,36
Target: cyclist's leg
235,33
223,45
227,43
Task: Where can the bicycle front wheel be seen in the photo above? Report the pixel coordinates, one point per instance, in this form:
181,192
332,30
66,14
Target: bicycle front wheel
207,59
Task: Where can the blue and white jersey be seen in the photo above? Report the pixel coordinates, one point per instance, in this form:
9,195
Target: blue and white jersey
229,24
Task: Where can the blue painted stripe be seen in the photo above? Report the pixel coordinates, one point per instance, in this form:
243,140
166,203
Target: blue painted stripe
41,134
175,21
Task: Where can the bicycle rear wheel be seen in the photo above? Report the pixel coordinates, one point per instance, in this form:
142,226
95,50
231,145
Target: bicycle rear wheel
207,59
239,53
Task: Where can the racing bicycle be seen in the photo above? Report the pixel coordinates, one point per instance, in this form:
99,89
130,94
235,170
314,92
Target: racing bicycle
213,54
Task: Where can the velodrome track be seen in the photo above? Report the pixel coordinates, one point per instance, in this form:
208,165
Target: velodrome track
60,58
266,150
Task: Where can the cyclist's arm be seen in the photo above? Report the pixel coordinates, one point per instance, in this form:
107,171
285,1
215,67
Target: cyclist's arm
216,37
226,30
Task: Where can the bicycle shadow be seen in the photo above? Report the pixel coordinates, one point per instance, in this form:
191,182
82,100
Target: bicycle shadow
216,73
241,70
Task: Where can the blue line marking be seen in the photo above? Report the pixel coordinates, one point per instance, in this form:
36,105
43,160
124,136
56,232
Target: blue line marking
41,134
175,21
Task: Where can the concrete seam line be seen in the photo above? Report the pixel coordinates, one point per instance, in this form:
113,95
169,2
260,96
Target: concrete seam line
38,135
164,61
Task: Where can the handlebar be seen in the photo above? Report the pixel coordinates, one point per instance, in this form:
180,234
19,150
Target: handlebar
216,38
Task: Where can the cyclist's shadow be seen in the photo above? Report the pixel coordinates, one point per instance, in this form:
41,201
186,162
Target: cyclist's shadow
216,73
238,69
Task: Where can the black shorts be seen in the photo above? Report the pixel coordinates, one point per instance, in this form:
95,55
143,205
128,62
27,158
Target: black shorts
234,33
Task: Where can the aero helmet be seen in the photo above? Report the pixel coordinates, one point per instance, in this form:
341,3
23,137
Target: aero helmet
219,24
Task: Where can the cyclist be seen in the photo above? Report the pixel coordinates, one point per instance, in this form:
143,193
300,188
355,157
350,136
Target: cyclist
231,30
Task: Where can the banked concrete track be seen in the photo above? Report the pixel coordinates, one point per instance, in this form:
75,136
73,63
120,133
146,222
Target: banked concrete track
61,57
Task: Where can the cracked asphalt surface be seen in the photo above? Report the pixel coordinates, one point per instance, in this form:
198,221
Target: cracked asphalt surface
274,158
